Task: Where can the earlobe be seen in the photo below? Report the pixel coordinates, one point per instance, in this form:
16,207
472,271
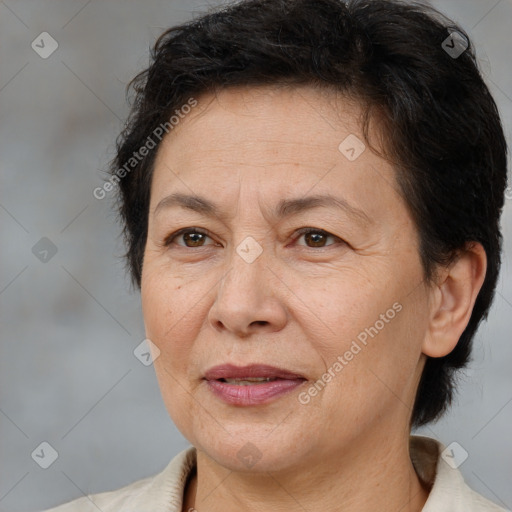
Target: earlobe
453,299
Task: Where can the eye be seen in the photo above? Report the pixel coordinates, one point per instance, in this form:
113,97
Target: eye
193,237
316,237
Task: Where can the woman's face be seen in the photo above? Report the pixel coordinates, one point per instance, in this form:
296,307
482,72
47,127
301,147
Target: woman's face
346,309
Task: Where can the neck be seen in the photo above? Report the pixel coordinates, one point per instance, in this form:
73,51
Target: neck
383,479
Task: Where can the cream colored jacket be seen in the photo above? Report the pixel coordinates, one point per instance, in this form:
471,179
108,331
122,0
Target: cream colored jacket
163,492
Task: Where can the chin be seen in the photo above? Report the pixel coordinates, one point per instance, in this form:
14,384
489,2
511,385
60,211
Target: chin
256,450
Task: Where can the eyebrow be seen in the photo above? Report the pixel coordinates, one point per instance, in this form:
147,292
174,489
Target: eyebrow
285,208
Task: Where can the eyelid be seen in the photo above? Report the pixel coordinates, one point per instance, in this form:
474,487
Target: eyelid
303,231
299,232
170,238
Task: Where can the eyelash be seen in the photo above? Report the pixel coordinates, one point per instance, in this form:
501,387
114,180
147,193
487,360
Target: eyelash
303,231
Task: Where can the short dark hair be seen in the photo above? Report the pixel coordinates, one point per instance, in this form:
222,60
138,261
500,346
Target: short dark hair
441,127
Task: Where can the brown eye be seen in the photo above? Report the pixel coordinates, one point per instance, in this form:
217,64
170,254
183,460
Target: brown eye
192,237
316,238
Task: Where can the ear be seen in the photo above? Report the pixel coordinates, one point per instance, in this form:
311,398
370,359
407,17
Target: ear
452,299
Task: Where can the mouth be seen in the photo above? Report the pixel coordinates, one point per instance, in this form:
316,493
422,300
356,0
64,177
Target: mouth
251,373
251,385
248,381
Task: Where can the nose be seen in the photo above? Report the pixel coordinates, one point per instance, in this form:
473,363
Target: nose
249,298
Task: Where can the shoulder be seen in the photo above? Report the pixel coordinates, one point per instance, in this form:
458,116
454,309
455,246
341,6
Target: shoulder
448,489
105,501
162,491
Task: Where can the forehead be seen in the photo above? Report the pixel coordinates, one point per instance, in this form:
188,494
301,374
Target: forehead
272,140
284,118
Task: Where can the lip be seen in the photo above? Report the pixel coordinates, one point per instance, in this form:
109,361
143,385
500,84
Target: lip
254,394
231,371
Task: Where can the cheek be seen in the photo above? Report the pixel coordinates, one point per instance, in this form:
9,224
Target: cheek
369,340
167,315
165,297
169,327
343,310
389,358
372,380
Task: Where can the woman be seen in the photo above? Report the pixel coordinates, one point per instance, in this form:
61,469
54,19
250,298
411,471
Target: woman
311,193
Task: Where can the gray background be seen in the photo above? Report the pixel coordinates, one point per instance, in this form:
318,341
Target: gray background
68,375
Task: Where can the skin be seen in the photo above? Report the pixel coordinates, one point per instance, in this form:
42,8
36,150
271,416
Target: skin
298,306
